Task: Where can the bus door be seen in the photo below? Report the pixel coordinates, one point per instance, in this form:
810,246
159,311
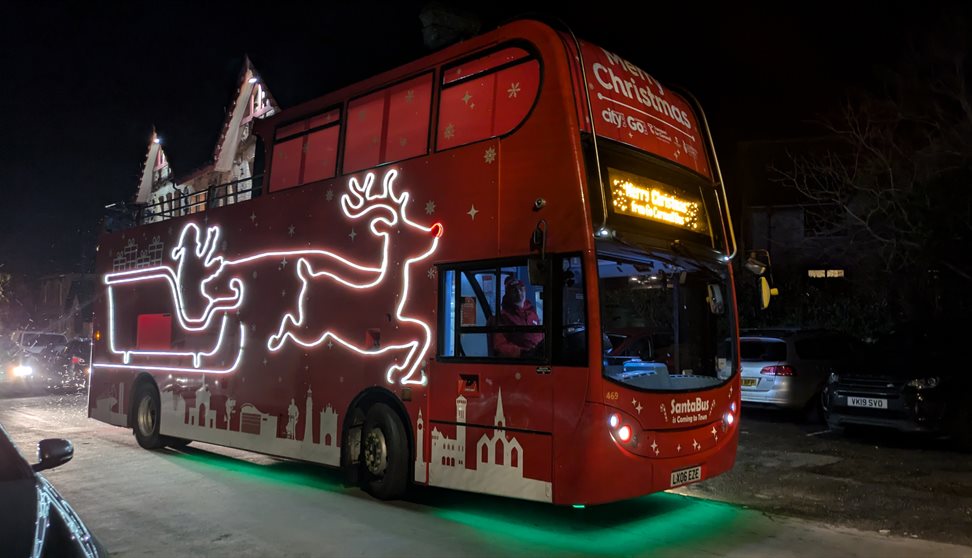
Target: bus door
491,386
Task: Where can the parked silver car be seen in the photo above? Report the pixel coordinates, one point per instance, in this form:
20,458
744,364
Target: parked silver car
788,368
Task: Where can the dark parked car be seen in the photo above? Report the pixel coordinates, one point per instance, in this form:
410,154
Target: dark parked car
34,519
912,379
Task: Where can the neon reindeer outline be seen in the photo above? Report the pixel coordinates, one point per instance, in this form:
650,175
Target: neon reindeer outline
360,203
364,199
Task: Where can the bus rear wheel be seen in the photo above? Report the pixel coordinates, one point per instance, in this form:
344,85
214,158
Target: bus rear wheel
384,453
147,417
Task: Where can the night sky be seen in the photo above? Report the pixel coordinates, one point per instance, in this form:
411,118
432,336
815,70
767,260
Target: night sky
84,83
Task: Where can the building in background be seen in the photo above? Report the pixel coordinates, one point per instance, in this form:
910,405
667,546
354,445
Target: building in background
165,194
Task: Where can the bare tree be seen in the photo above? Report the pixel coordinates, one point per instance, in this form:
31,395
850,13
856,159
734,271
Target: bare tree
897,175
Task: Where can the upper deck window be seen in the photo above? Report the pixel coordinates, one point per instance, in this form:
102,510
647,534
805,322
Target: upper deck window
486,97
305,151
388,125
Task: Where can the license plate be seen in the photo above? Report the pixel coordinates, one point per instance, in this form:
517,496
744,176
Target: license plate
868,402
750,382
685,476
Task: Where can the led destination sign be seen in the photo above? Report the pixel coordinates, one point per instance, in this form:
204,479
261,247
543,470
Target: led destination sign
647,199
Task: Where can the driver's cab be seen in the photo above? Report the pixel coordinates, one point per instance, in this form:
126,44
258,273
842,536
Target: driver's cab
518,309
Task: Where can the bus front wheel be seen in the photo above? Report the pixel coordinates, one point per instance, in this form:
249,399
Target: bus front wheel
147,417
384,453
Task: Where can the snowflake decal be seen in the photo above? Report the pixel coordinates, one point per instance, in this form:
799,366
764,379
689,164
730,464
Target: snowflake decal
490,155
450,131
329,195
430,207
513,90
431,272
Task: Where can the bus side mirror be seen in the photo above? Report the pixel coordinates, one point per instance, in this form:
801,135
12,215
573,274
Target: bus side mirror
766,293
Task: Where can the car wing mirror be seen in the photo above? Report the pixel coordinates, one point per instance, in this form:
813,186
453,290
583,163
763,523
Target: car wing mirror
53,452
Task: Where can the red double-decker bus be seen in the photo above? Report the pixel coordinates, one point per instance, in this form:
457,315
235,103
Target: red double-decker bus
502,268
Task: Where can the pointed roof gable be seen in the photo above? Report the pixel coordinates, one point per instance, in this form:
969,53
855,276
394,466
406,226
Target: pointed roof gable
155,160
253,100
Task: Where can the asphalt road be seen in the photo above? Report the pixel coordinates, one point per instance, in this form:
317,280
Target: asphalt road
795,491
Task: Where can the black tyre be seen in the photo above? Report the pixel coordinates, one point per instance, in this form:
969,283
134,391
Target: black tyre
146,419
176,443
351,448
384,453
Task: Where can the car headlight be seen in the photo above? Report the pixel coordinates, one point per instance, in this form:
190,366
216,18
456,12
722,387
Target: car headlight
924,383
22,370
833,378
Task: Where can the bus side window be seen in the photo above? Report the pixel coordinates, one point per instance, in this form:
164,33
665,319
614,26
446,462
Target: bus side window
490,103
491,313
388,125
305,151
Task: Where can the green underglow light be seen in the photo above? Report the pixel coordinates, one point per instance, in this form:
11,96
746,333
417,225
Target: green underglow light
660,523
579,506
292,473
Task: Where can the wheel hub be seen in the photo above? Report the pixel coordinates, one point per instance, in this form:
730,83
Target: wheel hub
375,452
146,416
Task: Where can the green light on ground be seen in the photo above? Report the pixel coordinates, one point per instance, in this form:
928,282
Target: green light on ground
579,506
659,523
290,473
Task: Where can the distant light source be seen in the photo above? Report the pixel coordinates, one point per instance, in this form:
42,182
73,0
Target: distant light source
253,79
156,140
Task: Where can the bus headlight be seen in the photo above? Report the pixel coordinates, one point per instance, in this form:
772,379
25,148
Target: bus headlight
22,370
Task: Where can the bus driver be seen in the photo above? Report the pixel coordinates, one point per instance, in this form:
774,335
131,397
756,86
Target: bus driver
516,310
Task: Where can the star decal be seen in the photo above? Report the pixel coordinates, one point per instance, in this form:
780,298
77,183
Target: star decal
283,263
678,448
490,155
290,230
472,212
714,433
264,361
638,407
329,195
450,131
430,207
253,217
283,292
352,235
654,446
254,274
696,445
252,327
466,97
330,345
409,96
513,90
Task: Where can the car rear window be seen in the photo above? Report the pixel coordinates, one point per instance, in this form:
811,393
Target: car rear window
753,350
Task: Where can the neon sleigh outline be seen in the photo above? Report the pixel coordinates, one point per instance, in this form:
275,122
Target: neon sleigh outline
363,203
